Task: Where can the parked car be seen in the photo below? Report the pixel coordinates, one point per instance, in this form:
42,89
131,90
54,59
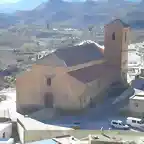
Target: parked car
135,122
76,125
118,124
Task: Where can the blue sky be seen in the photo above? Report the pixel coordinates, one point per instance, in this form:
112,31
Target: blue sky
14,1
8,1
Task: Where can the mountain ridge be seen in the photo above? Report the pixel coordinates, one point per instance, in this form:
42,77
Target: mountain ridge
80,14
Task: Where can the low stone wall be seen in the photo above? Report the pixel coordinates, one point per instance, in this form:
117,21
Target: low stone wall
43,134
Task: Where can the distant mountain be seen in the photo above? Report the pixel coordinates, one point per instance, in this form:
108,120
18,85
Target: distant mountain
77,14
20,5
7,20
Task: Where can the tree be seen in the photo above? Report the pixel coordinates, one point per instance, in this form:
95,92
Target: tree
90,28
29,47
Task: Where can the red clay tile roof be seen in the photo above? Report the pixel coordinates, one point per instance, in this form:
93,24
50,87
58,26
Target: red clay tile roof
79,54
92,73
74,55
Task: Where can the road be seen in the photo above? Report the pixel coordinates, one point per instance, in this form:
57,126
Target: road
6,49
96,117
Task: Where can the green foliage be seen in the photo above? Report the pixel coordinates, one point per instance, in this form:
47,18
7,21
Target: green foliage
90,28
10,80
29,47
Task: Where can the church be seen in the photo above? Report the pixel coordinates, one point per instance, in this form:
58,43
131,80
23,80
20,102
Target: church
71,78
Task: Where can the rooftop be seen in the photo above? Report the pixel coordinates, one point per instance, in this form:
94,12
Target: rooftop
137,98
32,124
49,141
4,125
73,55
102,137
133,59
138,84
119,20
90,73
132,118
10,93
139,95
65,139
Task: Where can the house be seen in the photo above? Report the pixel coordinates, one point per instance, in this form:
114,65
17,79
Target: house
5,130
31,130
70,78
134,64
136,101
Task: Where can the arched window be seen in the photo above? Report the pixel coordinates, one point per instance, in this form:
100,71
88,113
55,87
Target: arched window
113,36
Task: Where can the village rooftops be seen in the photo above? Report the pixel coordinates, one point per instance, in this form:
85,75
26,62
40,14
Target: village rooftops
73,55
105,137
134,59
137,97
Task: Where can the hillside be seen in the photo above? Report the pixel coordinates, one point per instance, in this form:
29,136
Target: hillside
79,14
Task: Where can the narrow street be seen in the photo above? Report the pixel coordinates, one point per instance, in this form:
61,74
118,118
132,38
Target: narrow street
96,117
102,114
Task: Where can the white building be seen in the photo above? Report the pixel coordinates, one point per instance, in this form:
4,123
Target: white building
134,63
5,130
136,103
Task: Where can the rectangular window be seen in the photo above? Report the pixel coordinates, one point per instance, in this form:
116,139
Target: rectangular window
113,36
115,123
49,81
133,121
138,122
125,36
